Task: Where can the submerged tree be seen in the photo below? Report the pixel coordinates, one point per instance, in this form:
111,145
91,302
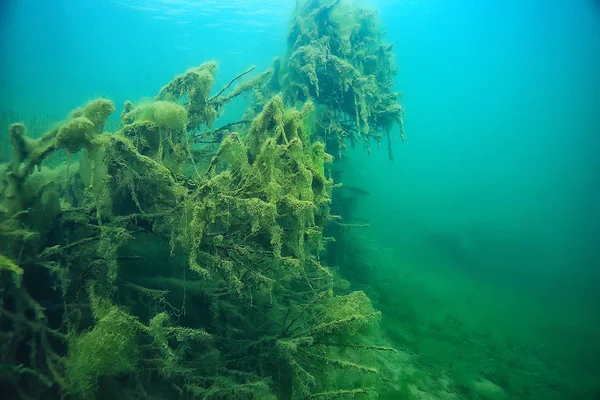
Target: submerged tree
337,58
146,271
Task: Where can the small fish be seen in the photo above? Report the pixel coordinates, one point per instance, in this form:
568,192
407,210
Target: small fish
353,191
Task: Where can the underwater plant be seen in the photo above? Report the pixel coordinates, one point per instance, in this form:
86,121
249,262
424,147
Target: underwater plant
140,270
337,57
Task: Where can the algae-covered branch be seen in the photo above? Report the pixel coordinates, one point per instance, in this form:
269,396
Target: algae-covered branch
171,258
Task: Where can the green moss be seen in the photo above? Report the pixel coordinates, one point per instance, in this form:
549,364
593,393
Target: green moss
110,349
6,264
243,306
75,134
165,114
98,111
338,58
82,128
194,87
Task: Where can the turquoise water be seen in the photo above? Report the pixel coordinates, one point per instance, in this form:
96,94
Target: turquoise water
482,246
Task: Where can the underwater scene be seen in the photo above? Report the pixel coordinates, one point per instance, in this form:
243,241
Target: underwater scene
300,199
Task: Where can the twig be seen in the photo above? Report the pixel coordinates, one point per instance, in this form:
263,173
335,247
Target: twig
34,326
231,83
317,299
198,136
343,225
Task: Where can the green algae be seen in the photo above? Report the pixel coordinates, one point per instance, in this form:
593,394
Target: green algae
155,274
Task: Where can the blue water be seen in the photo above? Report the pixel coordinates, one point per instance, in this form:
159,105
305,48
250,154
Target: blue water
502,115
499,179
501,98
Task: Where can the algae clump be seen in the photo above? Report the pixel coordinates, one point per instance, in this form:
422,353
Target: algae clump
186,276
